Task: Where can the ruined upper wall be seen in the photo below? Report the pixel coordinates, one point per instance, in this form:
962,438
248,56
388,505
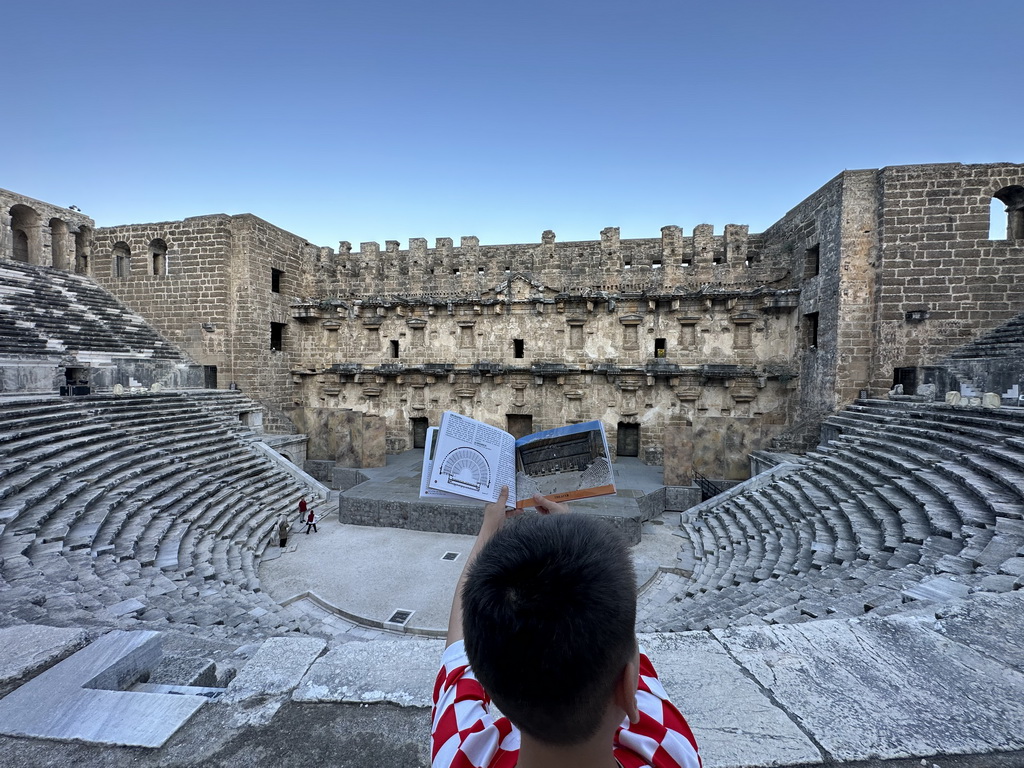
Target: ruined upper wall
215,285
943,281
664,265
46,235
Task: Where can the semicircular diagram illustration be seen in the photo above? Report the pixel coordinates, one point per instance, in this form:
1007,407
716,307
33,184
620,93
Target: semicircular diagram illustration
466,468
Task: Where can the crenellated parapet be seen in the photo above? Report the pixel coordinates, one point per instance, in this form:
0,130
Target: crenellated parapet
469,269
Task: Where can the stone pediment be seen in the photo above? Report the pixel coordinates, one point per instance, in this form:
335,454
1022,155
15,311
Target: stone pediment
519,287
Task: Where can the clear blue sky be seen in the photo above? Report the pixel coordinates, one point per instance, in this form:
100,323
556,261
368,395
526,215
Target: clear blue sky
391,119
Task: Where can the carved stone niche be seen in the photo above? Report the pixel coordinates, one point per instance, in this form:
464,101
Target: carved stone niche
743,392
630,331
687,394
630,382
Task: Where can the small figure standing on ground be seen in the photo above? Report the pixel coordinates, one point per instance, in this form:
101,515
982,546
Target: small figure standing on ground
282,529
302,507
311,521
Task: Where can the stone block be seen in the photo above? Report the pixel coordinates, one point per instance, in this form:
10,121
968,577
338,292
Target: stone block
678,461
953,398
991,400
392,671
29,648
275,669
884,688
81,698
733,719
374,447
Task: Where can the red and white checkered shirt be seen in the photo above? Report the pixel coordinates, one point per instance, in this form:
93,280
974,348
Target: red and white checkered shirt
464,735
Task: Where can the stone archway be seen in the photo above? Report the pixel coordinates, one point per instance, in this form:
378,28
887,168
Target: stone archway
26,234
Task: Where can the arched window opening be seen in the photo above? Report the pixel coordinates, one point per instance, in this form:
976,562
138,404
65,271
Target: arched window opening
1009,223
25,234
59,243
121,260
20,245
158,257
83,244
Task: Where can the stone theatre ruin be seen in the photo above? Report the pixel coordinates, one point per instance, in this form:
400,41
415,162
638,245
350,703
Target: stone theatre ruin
163,386
694,348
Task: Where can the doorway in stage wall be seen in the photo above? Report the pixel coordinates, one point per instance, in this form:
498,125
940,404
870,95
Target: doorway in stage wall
628,443
419,433
210,376
907,377
519,425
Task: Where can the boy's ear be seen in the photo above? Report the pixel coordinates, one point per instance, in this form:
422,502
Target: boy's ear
625,690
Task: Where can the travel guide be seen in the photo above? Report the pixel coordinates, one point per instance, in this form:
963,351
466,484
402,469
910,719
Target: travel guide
465,458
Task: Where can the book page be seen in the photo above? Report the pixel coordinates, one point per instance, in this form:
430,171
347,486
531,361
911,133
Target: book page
472,459
426,492
563,464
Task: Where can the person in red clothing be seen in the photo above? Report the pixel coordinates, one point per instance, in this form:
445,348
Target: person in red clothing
542,624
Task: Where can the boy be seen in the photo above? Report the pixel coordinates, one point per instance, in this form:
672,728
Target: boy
548,607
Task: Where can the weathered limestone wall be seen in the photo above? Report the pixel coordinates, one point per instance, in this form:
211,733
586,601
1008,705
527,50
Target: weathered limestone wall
257,249
809,238
207,284
831,240
684,332
658,265
942,280
188,300
43,234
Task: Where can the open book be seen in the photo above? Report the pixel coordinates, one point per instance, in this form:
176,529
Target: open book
466,458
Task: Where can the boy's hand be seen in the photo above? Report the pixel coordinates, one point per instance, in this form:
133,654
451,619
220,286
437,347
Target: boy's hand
546,506
496,512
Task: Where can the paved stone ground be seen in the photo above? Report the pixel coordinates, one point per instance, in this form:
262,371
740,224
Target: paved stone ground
365,573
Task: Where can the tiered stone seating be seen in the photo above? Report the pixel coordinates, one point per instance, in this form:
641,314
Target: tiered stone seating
905,494
147,509
1007,339
49,310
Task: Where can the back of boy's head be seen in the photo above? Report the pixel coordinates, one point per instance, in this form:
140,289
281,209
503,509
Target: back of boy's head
549,609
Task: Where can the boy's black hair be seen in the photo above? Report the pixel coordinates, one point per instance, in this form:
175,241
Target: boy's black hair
549,613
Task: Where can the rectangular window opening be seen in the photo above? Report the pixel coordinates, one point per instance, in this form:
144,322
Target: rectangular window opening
518,348
660,348
394,347
811,331
275,280
277,336
812,260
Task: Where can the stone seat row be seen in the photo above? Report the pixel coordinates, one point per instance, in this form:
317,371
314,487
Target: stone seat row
110,518
902,510
72,311
1008,337
994,479
115,458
